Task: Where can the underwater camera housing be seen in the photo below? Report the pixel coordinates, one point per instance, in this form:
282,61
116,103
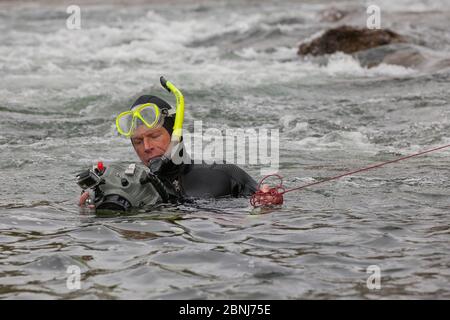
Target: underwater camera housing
120,187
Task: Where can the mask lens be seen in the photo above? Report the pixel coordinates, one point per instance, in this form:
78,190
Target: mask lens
125,123
150,116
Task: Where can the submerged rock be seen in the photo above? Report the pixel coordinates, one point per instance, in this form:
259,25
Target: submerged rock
349,39
405,55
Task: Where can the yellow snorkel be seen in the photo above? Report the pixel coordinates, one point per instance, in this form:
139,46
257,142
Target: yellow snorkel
179,115
174,152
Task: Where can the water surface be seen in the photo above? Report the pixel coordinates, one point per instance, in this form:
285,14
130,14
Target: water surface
236,63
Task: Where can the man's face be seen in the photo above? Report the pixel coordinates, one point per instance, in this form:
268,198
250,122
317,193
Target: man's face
150,143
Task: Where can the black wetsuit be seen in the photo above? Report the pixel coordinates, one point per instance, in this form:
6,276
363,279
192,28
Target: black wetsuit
208,181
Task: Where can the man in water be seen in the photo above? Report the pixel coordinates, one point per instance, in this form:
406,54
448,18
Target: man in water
188,180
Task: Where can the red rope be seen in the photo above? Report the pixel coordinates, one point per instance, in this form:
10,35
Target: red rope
274,196
268,196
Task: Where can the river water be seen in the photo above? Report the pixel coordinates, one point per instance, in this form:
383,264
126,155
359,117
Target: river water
236,63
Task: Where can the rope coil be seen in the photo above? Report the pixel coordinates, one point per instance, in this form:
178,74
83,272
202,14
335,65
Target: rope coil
266,196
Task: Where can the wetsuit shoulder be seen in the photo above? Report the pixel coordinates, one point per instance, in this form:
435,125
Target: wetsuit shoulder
216,180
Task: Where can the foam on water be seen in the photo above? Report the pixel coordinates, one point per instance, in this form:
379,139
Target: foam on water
337,140
121,58
343,64
417,6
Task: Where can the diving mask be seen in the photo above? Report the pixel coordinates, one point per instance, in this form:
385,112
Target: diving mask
148,114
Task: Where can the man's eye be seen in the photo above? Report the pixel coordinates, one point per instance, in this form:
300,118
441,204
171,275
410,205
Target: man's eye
137,141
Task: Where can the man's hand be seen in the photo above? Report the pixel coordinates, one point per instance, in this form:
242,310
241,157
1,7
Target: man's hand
83,198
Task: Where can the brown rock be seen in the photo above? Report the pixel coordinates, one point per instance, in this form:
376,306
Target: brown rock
349,39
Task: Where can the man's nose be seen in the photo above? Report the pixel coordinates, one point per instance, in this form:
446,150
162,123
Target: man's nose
148,145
